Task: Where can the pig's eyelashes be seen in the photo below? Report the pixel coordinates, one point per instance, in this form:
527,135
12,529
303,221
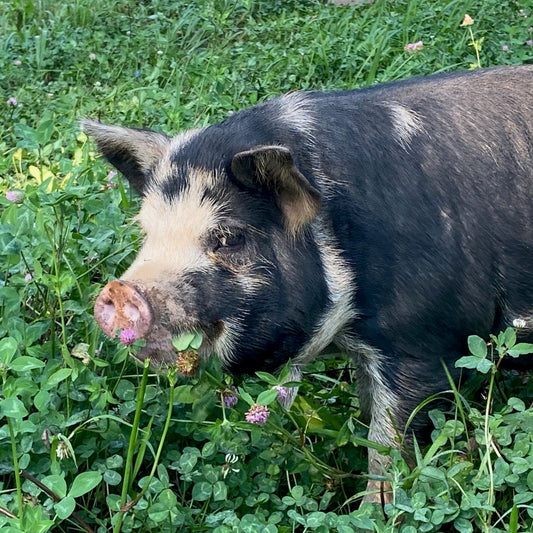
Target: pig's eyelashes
228,241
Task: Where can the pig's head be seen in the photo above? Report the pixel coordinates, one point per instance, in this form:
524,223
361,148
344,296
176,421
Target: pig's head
228,250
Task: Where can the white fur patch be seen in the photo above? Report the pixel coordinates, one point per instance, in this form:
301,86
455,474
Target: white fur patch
341,289
295,111
224,344
165,170
406,123
174,230
375,395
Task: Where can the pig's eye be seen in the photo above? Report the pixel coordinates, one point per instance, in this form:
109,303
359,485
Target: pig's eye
228,240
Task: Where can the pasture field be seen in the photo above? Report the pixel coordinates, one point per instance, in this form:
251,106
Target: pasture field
90,442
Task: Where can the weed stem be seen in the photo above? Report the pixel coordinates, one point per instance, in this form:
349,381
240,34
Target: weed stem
131,449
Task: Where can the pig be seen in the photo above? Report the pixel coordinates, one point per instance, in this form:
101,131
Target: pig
392,221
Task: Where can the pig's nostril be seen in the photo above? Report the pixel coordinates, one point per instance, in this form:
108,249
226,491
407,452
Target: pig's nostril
131,312
108,311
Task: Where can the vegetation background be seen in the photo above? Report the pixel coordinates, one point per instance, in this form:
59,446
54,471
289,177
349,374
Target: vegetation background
90,442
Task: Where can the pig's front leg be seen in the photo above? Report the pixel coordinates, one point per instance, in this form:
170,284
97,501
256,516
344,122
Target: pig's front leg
383,430
390,390
378,491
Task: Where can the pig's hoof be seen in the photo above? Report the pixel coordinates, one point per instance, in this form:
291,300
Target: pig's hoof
379,492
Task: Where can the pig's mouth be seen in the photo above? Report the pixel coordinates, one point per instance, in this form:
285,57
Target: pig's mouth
161,351
121,305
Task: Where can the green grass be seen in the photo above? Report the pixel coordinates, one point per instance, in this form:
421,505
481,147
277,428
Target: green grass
80,426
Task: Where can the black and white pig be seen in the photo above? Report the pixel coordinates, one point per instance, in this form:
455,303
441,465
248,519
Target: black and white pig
391,221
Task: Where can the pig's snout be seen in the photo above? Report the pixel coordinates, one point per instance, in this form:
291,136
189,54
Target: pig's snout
121,306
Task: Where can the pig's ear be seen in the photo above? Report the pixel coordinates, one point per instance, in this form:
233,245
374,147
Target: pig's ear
272,168
134,152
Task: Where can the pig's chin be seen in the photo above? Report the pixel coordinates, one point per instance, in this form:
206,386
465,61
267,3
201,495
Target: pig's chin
160,350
